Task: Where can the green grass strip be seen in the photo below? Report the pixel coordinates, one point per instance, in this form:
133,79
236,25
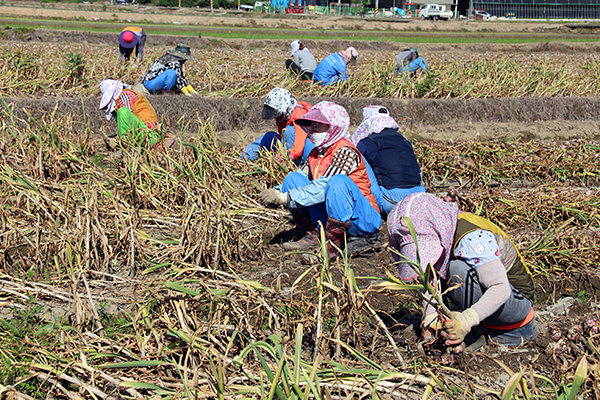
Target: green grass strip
417,37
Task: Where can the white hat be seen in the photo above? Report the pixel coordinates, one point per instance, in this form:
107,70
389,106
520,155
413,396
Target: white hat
295,47
370,110
111,90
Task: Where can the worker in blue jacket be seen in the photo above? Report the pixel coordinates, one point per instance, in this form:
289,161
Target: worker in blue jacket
334,67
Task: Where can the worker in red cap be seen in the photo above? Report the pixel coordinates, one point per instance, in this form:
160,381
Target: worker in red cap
130,37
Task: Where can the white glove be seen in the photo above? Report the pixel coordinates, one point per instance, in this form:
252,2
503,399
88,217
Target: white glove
460,325
274,197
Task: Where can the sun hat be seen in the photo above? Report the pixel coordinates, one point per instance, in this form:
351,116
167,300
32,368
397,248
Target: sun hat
329,113
182,51
434,222
111,89
128,39
295,47
353,53
414,49
369,110
277,102
312,115
269,112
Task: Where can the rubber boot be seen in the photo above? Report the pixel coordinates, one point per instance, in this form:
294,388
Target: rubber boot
357,244
336,233
310,234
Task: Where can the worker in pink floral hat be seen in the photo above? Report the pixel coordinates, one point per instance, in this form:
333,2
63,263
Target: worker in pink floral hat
332,188
486,280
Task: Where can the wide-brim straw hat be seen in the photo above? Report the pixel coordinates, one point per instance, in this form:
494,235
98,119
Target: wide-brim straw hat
182,51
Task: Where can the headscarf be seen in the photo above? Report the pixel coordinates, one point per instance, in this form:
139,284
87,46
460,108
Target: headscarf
295,46
368,110
349,54
374,123
333,114
111,90
282,101
435,224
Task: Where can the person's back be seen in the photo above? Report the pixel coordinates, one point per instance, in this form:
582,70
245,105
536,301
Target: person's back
405,58
141,107
392,158
305,60
166,74
330,70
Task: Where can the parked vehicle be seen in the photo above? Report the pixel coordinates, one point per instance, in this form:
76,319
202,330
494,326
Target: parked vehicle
410,10
122,2
447,15
486,15
434,11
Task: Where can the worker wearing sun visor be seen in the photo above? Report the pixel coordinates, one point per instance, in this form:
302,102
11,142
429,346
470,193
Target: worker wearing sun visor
281,106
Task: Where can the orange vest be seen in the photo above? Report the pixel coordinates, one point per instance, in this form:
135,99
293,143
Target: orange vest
299,134
318,166
135,29
144,110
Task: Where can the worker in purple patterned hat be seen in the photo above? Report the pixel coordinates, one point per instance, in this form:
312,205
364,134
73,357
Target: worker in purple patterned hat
131,37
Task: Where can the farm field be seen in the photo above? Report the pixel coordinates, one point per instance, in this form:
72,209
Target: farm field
131,274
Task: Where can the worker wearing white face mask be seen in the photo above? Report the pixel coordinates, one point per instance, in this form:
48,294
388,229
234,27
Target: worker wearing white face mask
332,187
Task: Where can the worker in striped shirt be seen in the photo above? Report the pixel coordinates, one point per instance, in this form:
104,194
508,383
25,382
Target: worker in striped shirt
332,188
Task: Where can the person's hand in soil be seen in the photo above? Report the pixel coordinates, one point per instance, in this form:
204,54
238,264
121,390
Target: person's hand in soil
431,326
450,350
460,325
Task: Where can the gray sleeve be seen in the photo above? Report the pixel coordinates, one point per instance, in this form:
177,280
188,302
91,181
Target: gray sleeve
492,277
305,60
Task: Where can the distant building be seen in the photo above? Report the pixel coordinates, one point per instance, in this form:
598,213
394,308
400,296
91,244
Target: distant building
419,3
571,9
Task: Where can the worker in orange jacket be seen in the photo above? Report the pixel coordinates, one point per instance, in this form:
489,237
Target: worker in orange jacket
281,106
131,37
136,118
